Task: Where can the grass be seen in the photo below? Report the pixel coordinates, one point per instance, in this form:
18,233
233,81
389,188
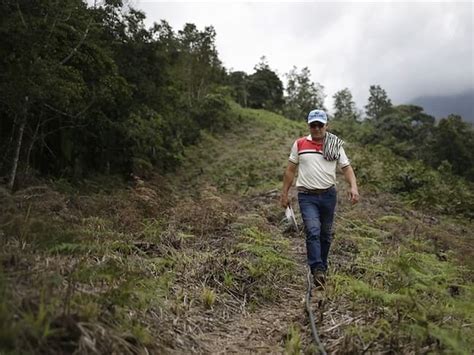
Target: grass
410,293
245,166
267,255
130,269
208,297
293,341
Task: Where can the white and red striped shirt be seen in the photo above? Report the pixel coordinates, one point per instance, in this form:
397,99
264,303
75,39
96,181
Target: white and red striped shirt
315,172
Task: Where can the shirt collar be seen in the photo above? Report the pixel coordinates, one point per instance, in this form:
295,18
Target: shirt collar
309,138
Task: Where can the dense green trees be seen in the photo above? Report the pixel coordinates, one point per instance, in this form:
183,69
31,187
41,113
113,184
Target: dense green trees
453,142
265,88
409,132
238,81
378,104
88,90
302,94
344,106
54,70
262,89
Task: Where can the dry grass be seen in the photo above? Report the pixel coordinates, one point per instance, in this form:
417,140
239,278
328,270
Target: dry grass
200,261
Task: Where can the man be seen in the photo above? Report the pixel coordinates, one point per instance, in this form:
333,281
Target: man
316,158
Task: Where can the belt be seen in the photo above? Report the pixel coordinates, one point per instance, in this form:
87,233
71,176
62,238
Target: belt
313,191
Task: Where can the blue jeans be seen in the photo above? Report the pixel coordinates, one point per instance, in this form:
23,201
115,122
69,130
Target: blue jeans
318,216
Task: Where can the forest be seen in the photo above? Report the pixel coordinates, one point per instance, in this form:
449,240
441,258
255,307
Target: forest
120,234
89,90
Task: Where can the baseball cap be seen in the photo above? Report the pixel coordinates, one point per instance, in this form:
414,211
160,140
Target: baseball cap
317,115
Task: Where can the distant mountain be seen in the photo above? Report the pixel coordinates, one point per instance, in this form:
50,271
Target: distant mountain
441,106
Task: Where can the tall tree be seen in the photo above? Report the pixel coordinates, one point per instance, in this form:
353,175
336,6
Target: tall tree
199,64
265,88
344,106
379,103
454,142
303,95
238,81
90,89
43,86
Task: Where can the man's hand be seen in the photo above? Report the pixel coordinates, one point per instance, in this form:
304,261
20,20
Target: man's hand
349,175
287,181
353,195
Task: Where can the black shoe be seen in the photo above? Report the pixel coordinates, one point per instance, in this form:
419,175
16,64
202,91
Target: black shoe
319,277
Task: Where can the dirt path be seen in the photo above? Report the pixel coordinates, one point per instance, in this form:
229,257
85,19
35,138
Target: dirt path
265,330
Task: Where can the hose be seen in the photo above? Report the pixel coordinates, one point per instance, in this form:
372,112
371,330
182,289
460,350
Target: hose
311,315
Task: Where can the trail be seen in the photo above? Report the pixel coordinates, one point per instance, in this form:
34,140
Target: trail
199,261
265,329
354,314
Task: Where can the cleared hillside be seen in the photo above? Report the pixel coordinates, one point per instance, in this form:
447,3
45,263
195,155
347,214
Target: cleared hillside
201,260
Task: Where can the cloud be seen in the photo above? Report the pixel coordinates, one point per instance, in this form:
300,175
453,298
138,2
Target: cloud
410,49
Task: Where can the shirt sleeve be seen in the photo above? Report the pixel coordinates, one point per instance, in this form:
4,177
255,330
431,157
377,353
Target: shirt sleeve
294,154
343,160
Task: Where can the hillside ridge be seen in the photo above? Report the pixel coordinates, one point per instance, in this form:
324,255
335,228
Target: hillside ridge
201,261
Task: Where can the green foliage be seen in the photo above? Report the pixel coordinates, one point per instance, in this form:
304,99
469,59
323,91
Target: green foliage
70,248
416,295
453,141
228,279
379,169
344,106
302,95
144,132
130,286
293,341
38,323
265,88
89,90
198,64
237,168
214,113
268,261
238,81
208,297
379,103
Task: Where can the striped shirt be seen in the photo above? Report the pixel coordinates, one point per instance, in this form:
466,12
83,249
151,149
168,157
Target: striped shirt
314,171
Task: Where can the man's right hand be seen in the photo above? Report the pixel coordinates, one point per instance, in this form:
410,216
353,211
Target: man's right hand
284,200
287,181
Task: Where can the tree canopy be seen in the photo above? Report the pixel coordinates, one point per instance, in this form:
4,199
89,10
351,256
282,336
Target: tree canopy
344,106
378,104
90,90
302,95
265,88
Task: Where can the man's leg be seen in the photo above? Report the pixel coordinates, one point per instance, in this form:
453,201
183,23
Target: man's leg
327,208
310,212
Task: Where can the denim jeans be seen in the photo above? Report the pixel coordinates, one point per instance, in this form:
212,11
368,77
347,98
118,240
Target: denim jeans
318,216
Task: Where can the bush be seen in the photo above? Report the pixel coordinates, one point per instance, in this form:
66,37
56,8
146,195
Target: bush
214,113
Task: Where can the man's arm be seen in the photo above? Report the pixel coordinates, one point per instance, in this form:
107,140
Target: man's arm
287,181
351,180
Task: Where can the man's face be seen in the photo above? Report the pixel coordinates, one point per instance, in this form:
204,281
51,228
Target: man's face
317,129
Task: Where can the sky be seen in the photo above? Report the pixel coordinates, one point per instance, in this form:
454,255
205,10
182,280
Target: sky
410,49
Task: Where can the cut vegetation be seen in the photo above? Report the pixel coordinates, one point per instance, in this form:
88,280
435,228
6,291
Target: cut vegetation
200,260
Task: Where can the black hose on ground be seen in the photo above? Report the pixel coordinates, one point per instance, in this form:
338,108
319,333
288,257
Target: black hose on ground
311,316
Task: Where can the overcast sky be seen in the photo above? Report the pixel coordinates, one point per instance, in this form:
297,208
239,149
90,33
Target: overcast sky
409,48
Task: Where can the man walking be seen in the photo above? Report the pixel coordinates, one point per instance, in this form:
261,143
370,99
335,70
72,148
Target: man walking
316,157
